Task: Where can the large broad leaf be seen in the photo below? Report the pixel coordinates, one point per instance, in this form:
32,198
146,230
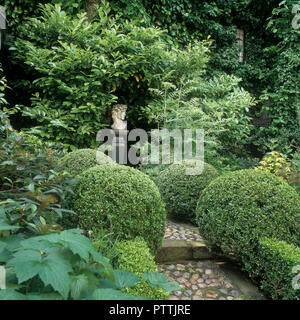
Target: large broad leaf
8,244
112,294
39,243
161,280
26,264
53,269
11,294
78,244
124,278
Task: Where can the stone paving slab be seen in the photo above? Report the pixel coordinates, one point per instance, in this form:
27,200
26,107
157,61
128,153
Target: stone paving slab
205,280
181,231
200,275
177,250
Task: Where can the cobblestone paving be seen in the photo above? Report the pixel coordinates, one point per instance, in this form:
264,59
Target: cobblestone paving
176,231
203,280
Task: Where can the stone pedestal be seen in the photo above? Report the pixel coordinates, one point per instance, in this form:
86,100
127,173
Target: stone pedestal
120,146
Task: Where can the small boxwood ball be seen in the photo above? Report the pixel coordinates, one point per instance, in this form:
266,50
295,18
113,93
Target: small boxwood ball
121,200
134,256
76,162
181,191
241,207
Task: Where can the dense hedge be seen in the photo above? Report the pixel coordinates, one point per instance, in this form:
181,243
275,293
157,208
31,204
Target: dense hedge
278,260
121,200
134,256
241,207
181,191
80,160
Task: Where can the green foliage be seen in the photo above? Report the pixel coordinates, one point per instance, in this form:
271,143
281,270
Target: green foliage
17,12
81,68
241,207
276,163
121,200
80,160
134,255
181,191
271,59
294,177
60,266
30,189
3,86
277,259
269,70
281,95
218,106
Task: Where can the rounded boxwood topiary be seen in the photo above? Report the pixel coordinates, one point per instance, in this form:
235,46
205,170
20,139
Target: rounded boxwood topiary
181,191
239,208
76,162
121,200
134,256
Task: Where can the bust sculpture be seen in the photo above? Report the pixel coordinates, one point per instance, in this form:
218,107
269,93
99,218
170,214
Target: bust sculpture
118,116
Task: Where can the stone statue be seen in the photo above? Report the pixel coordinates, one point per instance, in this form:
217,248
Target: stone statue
118,116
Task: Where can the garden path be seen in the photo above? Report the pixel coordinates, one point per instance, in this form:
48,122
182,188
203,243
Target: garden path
205,279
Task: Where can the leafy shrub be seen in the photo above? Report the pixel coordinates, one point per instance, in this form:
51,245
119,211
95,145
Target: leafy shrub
219,106
134,255
275,162
277,260
152,170
30,188
181,191
85,66
80,160
121,200
59,266
239,208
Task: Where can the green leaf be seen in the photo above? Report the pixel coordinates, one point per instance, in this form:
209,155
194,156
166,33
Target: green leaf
11,294
161,280
54,271
4,223
26,264
78,244
124,278
30,187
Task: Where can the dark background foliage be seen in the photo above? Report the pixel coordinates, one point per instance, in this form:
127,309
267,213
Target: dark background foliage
270,69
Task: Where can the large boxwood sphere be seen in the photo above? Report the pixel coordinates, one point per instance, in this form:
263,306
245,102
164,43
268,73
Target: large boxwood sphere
241,207
180,191
76,162
122,201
